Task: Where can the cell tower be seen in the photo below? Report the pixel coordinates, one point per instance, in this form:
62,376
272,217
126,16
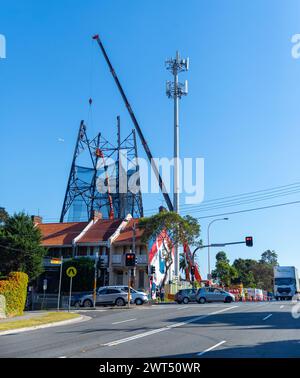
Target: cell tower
176,90
94,180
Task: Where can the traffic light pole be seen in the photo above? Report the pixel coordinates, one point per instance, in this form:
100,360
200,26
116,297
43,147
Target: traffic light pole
95,280
59,284
128,296
248,241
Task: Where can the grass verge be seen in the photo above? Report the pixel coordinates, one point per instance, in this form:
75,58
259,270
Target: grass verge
51,317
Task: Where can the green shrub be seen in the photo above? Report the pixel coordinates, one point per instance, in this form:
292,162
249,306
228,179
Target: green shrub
14,289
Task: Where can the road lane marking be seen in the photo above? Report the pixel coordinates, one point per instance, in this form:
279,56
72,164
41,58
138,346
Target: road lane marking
281,306
267,317
62,357
211,348
224,309
167,328
124,321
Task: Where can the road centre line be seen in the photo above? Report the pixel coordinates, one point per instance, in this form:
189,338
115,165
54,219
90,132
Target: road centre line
211,348
267,317
145,334
124,321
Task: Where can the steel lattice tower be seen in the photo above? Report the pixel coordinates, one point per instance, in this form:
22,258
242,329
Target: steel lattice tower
93,159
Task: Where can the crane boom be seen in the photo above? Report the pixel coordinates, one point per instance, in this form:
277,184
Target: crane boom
137,126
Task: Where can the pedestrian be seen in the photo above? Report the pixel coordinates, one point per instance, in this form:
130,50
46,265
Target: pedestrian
162,294
157,292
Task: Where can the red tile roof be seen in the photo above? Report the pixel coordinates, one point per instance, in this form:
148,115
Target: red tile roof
126,234
54,234
101,230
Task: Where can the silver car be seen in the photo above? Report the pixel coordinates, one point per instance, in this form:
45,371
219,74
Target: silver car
105,296
138,297
213,294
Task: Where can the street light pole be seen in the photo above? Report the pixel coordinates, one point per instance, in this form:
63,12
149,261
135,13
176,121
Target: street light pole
208,247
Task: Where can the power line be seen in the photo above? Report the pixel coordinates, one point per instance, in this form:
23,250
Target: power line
264,198
235,197
247,210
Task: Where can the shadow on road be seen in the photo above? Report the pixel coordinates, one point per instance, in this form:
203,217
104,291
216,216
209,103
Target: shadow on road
272,349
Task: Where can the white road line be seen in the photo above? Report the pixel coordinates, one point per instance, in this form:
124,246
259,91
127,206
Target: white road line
124,321
211,348
224,309
281,306
182,308
62,357
267,317
121,341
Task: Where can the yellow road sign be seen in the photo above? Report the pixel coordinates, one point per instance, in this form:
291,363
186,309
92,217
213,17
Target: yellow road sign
71,271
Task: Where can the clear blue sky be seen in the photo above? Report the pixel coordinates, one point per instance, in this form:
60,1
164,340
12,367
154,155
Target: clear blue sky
242,113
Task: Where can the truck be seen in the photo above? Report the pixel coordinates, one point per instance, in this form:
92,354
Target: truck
286,282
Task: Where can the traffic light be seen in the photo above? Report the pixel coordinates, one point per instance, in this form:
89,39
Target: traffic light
152,269
130,259
249,241
192,270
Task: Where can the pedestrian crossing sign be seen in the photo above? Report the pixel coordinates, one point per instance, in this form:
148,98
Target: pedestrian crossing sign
71,271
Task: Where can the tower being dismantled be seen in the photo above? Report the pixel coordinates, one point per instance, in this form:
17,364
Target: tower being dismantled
99,177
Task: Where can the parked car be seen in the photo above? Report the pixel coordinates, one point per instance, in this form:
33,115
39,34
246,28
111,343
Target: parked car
138,297
185,296
212,294
105,296
76,298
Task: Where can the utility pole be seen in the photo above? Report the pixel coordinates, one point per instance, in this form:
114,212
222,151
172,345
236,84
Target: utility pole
95,280
59,285
176,90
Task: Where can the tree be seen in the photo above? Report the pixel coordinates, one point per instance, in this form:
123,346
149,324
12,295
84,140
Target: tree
263,275
84,279
269,257
183,264
221,256
224,272
20,247
3,216
172,230
244,268
263,271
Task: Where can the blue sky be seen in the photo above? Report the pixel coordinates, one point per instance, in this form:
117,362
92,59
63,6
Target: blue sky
241,115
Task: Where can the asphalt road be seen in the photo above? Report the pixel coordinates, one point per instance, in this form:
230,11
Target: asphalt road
193,330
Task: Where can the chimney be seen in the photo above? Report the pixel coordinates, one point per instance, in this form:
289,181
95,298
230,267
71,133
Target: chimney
96,215
36,219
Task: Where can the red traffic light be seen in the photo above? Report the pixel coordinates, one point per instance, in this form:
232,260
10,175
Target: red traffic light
130,259
249,241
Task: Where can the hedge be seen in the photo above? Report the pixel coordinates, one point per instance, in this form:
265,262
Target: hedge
14,289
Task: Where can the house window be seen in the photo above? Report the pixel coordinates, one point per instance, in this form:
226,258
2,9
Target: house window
53,252
66,252
82,251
